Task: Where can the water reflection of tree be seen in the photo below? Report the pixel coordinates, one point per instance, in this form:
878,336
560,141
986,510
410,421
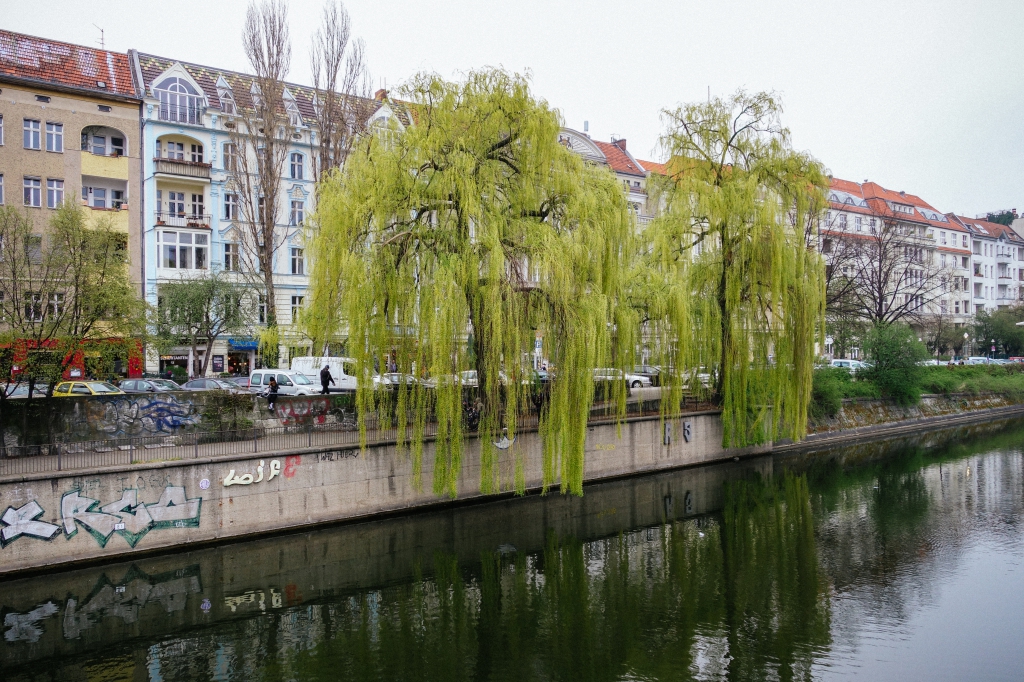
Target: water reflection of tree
776,608
739,597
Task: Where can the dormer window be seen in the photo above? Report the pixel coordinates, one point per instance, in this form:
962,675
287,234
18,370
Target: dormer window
179,101
254,93
294,116
226,97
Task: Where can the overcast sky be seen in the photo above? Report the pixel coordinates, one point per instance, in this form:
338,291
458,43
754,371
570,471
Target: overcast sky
925,96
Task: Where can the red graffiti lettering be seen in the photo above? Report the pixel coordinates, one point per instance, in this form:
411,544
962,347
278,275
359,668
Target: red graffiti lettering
290,464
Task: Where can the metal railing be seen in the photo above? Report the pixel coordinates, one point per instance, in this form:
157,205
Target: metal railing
181,114
341,433
176,219
188,169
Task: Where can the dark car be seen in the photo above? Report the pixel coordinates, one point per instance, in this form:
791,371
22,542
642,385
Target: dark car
242,382
208,384
149,386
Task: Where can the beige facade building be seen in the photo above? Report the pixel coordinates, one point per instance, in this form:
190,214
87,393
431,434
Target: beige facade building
69,129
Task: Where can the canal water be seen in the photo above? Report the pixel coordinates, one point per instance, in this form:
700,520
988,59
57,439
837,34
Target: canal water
898,561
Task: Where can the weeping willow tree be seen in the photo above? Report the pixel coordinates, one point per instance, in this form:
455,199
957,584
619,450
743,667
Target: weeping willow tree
735,293
443,246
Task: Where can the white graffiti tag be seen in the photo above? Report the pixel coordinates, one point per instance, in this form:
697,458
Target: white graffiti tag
23,521
128,517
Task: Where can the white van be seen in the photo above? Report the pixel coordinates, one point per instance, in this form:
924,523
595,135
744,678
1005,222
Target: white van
288,383
311,366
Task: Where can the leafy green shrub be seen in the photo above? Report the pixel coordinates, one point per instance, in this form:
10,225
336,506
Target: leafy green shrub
827,392
895,351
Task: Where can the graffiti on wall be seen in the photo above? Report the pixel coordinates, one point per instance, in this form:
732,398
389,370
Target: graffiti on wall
299,410
144,414
127,517
123,598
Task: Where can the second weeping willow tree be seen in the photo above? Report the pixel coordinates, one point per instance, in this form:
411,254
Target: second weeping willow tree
736,294
442,247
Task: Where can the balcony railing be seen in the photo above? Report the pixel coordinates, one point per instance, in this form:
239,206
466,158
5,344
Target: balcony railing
181,114
175,219
188,169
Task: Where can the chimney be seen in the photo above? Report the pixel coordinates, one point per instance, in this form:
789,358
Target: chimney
380,95
586,128
902,193
620,143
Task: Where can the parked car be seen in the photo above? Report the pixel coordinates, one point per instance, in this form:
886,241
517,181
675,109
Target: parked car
73,388
852,366
977,360
210,384
243,382
652,372
397,378
20,390
615,374
289,382
149,386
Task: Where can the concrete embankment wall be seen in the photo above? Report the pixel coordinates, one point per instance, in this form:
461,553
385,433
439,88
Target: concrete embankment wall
50,520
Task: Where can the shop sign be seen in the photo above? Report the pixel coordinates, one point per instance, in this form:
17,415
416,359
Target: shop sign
218,363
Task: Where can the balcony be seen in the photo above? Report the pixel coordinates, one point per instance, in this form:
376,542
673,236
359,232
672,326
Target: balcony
181,114
1004,256
100,166
174,219
117,219
182,169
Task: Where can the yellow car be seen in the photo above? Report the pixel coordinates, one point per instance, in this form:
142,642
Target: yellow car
72,388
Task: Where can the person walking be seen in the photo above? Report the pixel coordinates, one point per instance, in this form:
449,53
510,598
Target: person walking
325,379
271,394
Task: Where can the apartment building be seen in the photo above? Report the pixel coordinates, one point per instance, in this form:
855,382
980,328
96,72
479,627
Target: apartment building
997,262
69,130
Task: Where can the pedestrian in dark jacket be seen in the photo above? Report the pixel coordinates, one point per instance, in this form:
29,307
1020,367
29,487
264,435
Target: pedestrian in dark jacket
271,394
325,379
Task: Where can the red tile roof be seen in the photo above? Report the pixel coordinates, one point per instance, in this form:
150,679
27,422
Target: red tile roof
653,166
619,160
994,230
33,60
877,197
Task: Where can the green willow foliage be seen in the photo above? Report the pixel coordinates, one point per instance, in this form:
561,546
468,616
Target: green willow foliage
734,283
442,247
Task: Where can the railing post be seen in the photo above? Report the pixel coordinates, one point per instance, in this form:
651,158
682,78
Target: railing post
195,445
309,434
255,447
58,456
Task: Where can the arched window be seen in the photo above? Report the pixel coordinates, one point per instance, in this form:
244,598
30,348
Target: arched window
179,101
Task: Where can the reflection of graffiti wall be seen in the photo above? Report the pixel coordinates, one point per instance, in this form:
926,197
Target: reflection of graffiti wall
119,599
126,517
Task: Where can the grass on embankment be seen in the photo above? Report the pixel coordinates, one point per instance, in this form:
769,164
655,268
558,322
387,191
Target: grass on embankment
832,384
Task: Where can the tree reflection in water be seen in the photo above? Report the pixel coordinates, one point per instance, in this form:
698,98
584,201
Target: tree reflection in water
733,596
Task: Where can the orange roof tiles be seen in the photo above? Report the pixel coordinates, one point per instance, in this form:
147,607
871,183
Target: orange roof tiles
63,65
619,160
653,166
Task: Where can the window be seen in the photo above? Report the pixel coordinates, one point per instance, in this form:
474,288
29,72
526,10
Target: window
230,157
231,257
857,223
99,145
34,248
943,307
55,305
842,221
33,306
33,192
176,203
871,225
179,101
1,189
227,104
54,137
1,129
54,193
298,213
965,241
230,207
263,309
176,151
296,165
116,198
298,261
31,136
198,205
117,146
197,153
95,197
296,308
261,204
183,250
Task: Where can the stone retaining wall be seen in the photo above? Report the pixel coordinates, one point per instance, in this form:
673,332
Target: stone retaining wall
97,514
